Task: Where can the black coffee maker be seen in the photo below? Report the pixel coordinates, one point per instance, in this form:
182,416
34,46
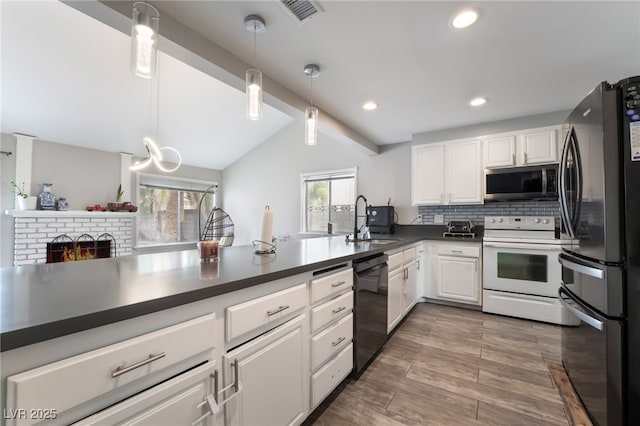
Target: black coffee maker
380,219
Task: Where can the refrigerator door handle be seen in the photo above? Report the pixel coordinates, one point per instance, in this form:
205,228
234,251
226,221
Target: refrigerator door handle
581,268
572,306
562,193
578,165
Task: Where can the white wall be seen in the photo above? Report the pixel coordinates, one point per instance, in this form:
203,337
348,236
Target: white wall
7,171
83,176
270,174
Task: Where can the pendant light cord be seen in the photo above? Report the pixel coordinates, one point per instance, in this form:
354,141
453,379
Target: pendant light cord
311,77
255,30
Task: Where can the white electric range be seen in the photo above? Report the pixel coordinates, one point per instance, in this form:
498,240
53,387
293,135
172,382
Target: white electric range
521,272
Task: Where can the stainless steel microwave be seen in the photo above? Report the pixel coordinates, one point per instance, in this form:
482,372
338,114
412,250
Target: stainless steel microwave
522,183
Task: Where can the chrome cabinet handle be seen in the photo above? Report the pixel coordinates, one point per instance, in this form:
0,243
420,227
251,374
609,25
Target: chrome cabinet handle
338,284
525,158
340,309
456,251
211,400
337,342
122,369
275,311
513,158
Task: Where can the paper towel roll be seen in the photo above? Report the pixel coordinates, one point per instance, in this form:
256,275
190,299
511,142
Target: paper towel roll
267,228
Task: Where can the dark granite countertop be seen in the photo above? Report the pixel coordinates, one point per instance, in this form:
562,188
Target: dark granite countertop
45,301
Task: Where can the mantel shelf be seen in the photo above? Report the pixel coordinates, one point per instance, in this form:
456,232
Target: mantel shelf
66,213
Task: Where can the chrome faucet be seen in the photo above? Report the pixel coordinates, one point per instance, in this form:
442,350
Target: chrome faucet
355,224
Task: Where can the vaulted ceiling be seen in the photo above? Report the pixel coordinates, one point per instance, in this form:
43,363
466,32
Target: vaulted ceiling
66,78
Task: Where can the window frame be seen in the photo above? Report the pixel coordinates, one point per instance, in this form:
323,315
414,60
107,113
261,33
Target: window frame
174,183
322,175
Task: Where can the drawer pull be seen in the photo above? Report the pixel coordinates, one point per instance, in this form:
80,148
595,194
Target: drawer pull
337,342
338,284
122,369
280,309
340,309
456,251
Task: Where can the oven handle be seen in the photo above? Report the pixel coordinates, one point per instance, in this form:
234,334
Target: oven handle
577,310
581,268
523,246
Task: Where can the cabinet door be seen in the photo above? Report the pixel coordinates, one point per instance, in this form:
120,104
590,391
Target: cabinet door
458,279
464,173
273,372
539,146
410,288
175,402
500,151
396,298
428,174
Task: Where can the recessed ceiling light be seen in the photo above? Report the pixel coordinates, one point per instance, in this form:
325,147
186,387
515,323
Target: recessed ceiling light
465,18
369,106
478,101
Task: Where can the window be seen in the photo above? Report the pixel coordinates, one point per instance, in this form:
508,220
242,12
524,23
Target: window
328,197
168,209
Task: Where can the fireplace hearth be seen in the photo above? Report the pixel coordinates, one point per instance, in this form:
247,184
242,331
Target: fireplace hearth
63,248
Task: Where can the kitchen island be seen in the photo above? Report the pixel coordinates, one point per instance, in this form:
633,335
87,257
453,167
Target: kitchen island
184,315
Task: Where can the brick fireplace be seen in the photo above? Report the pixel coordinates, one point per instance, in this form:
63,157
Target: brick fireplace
35,228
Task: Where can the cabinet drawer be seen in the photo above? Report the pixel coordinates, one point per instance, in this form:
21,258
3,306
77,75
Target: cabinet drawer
409,255
247,316
328,311
395,260
175,402
331,284
67,383
331,340
459,251
328,377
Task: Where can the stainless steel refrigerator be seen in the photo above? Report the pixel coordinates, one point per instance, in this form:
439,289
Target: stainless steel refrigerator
599,191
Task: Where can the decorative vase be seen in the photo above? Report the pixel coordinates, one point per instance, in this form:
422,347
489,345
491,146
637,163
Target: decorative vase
31,202
46,198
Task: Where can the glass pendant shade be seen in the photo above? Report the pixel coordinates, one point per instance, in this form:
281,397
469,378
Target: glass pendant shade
144,39
254,94
311,126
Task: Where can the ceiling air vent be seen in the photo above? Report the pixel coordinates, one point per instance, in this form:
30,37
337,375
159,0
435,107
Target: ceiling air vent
302,10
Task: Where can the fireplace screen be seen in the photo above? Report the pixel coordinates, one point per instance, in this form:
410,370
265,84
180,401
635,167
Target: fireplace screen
65,249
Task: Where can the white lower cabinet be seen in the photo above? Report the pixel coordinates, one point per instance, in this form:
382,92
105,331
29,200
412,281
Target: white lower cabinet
179,401
273,377
454,272
458,279
395,300
403,281
331,374
331,344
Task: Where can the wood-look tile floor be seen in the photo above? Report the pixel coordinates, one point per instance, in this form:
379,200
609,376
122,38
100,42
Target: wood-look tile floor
454,366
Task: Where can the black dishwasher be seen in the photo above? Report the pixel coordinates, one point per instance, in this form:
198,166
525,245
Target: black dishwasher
371,283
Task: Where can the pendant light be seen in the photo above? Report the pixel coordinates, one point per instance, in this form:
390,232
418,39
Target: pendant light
144,39
311,113
254,24
154,152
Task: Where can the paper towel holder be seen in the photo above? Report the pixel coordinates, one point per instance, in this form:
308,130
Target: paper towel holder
270,247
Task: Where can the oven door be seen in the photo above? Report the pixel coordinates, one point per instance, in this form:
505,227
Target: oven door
521,268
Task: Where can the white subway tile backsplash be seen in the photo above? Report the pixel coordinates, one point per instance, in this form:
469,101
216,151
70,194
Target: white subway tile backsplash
476,213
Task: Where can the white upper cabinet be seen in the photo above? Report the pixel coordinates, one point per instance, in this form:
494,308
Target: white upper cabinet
428,174
539,146
500,151
522,148
447,173
464,172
